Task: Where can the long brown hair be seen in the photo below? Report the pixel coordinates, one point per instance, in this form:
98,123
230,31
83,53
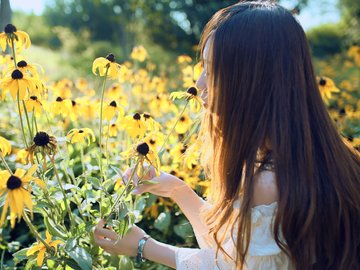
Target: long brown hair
263,91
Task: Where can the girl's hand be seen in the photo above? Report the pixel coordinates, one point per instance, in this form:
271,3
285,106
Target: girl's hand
111,242
166,184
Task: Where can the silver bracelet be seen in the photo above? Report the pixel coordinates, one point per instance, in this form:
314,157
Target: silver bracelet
140,249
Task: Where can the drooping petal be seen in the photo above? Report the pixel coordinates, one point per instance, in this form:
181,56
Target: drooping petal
4,211
40,257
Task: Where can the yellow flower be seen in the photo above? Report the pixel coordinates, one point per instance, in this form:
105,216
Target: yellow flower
327,87
139,53
41,248
22,156
155,139
191,74
24,67
150,123
20,38
61,106
184,59
110,110
5,146
143,153
134,125
101,64
190,95
17,189
178,152
183,125
354,52
81,84
113,130
33,104
80,135
18,82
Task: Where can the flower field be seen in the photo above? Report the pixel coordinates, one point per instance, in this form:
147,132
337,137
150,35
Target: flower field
64,145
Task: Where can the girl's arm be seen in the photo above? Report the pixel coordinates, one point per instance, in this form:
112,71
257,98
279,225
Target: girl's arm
191,204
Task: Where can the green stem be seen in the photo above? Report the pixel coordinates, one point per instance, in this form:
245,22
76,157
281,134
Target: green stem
122,193
13,52
101,120
82,159
21,120
34,118
172,129
67,206
35,233
2,259
27,120
106,146
5,164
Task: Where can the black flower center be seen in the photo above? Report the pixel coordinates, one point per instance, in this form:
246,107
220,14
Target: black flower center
33,97
146,116
182,118
113,103
59,99
10,29
110,57
143,149
41,138
192,90
73,102
183,150
22,64
17,74
172,172
322,82
13,182
152,141
81,131
136,116
113,125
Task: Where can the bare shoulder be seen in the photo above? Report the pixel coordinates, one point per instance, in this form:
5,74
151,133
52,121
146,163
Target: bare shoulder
265,188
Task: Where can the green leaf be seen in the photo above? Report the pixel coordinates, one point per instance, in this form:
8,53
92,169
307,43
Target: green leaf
140,203
184,230
70,244
81,257
162,222
94,181
20,255
117,170
70,186
125,263
53,229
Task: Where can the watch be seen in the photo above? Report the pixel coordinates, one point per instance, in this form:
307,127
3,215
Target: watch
140,249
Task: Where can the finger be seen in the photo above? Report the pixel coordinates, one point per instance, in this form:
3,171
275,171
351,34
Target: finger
104,243
100,233
126,175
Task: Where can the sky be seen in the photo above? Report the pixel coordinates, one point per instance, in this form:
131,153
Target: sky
316,13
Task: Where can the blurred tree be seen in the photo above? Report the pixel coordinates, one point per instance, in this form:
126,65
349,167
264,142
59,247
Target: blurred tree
326,40
5,14
175,25
351,18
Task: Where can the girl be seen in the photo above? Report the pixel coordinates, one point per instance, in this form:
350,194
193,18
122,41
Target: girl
285,184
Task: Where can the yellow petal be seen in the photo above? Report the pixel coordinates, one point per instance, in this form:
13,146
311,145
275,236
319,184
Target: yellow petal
33,249
4,211
40,257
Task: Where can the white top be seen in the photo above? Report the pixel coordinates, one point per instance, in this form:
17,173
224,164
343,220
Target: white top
263,253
